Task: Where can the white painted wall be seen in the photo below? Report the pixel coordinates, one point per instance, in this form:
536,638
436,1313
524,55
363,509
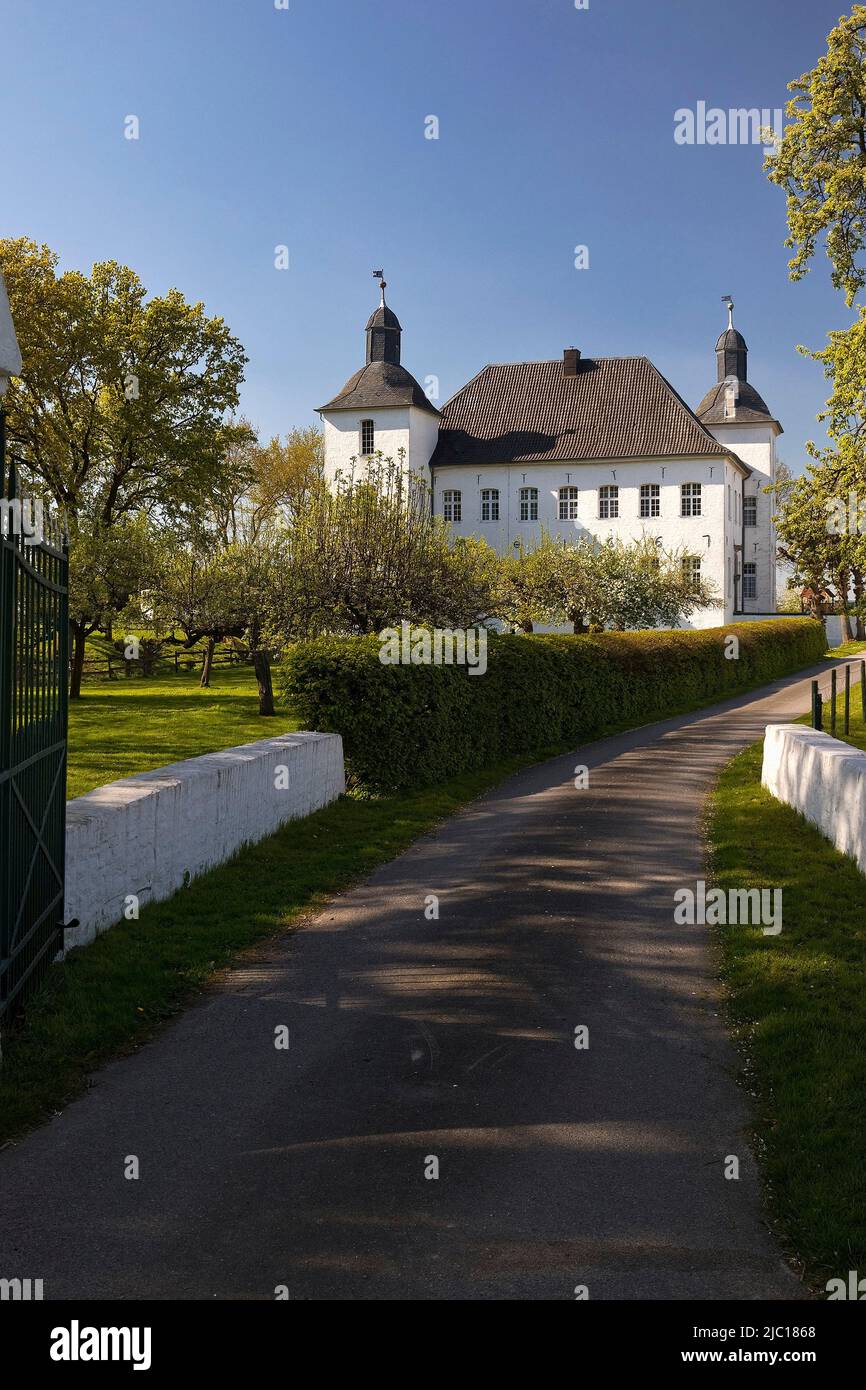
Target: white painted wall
710,536
756,446
833,629
148,835
822,778
397,427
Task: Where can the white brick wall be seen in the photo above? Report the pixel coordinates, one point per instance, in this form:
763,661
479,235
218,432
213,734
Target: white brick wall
148,835
824,779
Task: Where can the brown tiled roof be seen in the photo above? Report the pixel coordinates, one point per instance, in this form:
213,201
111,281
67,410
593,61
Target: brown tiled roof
531,412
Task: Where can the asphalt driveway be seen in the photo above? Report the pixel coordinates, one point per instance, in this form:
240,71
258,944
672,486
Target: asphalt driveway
415,1038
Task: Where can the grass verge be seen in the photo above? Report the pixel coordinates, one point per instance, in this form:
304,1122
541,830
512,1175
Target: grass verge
797,1004
108,998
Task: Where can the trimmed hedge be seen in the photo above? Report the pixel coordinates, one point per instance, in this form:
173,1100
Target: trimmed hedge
409,726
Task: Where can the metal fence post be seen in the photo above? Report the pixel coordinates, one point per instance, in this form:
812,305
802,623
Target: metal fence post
833,701
817,721
847,697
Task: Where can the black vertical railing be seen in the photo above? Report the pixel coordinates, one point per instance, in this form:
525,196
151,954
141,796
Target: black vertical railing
34,627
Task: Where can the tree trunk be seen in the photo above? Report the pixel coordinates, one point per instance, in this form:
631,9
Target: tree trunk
262,668
79,636
109,630
857,576
846,625
207,663
527,626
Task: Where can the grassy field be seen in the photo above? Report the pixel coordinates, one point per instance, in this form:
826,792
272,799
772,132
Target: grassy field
125,726
797,1004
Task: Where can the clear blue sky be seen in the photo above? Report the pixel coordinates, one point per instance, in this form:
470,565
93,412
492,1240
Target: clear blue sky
306,127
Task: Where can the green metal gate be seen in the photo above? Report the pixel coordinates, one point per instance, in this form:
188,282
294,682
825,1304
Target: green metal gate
33,720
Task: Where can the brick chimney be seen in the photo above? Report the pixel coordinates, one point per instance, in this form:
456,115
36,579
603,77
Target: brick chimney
570,359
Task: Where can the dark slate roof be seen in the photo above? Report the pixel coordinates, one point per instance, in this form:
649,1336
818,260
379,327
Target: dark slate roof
731,341
750,409
613,408
383,317
380,384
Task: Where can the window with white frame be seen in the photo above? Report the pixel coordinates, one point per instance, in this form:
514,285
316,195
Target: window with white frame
452,509
690,499
650,499
750,511
529,504
490,504
608,502
692,571
750,581
568,504
368,437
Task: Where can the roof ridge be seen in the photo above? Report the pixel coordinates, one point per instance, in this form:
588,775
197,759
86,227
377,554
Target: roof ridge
557,361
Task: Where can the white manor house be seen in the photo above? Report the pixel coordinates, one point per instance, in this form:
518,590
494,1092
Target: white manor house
600,446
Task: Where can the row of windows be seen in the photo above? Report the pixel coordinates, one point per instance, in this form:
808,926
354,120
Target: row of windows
691,502
608,497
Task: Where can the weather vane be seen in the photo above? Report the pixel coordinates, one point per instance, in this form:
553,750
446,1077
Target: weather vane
726,299
380,276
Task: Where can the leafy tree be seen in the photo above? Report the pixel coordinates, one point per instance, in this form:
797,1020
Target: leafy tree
262,484
108,567
820,529
820,160
593,584
122,402
369,553
288,471
186,590
232,592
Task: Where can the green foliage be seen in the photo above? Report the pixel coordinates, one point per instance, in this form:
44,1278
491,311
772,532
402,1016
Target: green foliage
369,552
821,534
597,584
122,400
406,726
821,159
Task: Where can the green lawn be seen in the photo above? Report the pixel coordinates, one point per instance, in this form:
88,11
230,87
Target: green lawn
125,726
797,1003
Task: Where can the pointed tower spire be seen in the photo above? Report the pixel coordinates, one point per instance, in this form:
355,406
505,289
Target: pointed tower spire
383,330
731,350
